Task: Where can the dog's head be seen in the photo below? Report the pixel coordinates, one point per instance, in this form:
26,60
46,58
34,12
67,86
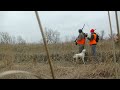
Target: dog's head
84,50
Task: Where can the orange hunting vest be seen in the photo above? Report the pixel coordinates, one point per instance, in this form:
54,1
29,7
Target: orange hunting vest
81,41
94,40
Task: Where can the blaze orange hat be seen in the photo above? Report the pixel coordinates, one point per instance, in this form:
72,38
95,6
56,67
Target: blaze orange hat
92,30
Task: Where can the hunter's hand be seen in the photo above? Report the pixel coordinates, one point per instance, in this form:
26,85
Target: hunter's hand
88,38
76,43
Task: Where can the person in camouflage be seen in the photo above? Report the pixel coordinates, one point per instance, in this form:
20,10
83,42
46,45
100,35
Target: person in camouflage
81,40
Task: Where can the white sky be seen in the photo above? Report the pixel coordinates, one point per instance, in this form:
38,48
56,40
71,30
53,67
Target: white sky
24,23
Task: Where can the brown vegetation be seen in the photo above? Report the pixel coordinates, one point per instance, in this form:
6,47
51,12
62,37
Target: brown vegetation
33,58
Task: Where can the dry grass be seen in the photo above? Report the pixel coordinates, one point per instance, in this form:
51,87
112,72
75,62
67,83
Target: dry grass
32,58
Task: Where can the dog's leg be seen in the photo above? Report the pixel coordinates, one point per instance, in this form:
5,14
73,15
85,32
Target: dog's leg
76,60
83,60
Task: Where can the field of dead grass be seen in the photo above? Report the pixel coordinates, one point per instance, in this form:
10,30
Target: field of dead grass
33,58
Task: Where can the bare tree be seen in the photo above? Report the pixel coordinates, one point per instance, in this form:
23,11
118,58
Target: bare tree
52,36
73,38
102,34
20,40
67,39
5,38
13,40
111,36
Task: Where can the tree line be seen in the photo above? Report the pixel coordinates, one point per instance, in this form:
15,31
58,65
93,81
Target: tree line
52,37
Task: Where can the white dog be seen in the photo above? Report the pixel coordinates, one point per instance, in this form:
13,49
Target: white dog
80,55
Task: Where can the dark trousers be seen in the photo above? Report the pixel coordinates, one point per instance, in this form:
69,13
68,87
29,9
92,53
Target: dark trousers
81,47
93,49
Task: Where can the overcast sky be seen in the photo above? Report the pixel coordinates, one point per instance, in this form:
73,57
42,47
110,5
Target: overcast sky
24,23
